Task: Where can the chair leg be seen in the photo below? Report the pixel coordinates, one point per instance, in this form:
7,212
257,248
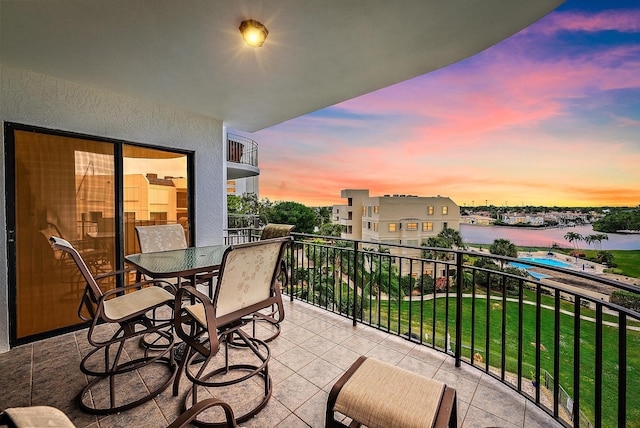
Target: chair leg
108,392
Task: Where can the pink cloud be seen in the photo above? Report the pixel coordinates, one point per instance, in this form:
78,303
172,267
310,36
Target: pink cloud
626,21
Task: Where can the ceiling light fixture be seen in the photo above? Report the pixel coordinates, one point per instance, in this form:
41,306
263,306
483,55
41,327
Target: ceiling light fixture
253,32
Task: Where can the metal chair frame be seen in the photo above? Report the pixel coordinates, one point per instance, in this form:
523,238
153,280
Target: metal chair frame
127,307
206,329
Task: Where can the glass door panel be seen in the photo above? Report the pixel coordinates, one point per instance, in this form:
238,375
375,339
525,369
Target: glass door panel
155,191
64,186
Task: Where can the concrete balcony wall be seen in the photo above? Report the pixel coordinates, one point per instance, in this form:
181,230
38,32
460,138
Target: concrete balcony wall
45,101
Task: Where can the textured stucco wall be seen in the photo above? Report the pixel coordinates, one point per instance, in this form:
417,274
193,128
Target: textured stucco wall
35,99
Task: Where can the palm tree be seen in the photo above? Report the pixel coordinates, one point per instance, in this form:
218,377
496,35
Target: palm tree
574,237
597,238
605,257
378,276
503,247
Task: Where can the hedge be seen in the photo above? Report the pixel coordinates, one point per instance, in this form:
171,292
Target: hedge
626,299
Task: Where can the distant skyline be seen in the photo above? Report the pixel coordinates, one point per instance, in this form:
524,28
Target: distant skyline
550,116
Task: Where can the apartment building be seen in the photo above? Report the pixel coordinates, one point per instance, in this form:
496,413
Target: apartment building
395,219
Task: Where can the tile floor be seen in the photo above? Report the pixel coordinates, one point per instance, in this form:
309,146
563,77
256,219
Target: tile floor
312,352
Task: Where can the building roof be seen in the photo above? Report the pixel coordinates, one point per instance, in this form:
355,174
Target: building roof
189,53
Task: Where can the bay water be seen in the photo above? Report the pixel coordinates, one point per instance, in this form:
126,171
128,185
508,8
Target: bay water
530,237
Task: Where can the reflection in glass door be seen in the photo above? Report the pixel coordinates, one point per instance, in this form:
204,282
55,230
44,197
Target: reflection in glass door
155,191
63,187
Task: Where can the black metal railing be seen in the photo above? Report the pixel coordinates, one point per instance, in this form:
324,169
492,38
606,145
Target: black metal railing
563,346
242,228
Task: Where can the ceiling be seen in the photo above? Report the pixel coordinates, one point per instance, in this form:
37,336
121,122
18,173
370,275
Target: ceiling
189,53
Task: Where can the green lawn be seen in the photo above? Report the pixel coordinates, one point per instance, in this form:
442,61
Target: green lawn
389,310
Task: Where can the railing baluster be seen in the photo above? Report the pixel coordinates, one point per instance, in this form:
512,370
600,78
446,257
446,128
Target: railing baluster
520,325
473,315
459,285
622,370
355,282
487,339
556,355
503,355
422,300
538,321
576,363
598,369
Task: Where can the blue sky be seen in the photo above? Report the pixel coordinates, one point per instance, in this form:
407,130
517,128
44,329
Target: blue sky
550,116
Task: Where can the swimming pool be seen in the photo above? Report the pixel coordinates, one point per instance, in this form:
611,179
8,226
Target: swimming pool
548,262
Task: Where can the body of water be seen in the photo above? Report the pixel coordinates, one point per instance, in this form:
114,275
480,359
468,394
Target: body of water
529,237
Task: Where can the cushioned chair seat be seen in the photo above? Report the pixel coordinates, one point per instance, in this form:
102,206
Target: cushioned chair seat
379,395
38,416
124,306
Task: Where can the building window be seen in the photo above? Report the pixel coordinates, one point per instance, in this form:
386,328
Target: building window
368,225
412,226
427,226
445,225
392,227
430,210
375,227
369,211
376,209
364,211
445,210
350,202
350,215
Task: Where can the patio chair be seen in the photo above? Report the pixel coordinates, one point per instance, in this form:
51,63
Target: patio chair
117,317
167,237
46,416
247,283
272,316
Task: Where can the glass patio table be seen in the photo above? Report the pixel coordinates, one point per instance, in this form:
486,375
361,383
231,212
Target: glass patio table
187,262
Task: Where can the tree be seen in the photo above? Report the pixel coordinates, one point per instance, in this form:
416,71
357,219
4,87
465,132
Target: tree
503,247
606,258
574,237
379,275
616,221
304,218
330,229
452,238
249,204
446,238
592,239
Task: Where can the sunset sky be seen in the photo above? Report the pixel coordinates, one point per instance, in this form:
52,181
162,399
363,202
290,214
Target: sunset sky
550,116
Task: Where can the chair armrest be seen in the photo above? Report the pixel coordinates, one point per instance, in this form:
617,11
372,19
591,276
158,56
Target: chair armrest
184,314
113,273
199,407
136,286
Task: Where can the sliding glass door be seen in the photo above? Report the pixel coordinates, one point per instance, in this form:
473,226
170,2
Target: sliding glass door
91,192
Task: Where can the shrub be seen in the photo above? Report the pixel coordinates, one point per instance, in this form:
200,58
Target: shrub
577,254
626,299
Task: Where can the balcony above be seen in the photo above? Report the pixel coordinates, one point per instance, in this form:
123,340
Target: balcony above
242,157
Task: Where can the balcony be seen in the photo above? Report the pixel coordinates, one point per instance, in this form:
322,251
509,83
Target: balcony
314,349
503,339
242,157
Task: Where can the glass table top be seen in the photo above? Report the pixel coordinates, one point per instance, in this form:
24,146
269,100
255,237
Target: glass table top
184,262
